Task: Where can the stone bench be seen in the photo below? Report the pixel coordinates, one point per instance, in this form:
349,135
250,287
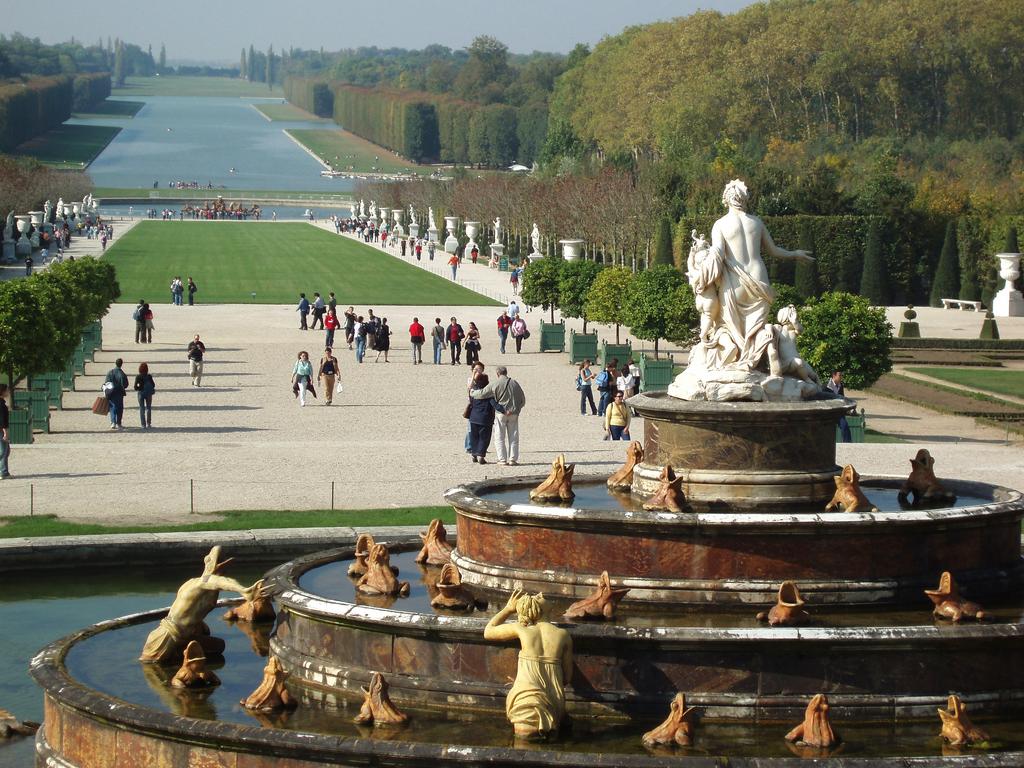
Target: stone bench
961,304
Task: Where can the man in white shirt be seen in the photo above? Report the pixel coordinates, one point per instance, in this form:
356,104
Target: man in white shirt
626,382
513,309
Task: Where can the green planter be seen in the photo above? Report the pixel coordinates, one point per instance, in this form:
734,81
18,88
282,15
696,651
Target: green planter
552,336
503,264
88,347
51,384
97,331
67,376
610,352
20,430
655,375
36,402
582,346
857,426
78,361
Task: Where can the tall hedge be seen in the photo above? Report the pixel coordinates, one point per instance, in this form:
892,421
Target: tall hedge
33,107
874,281
806,272
89,89
947,279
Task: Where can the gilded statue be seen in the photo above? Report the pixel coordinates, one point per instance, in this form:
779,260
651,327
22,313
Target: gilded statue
378,708
270,695
380,578
600,604
669,495
676,729
957,728
185,619
193,672
922,486
848,494
948,603
622,480
558,484
788,610
816,729
536,703
436,549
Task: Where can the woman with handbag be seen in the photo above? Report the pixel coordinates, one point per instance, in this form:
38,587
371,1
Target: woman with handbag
616,419
481,421
145,386
519,332
472,345
302,377
327,374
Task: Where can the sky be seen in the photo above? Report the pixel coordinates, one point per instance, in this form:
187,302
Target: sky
215,31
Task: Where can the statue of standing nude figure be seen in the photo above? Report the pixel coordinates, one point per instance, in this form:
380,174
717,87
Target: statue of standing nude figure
742,354
536,704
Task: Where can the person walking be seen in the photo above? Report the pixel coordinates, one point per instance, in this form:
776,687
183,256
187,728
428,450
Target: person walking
140,322
453,263
192,288
438,336
5,436
332,302
114,387
509,401
319,307
303,310
145,386
350,326
196,353
147,320
519,332
178,289
419,250
327,374
481,420
370,326
584,379
504,323
472,344
331,323
616,419
454,335
383,340
605,381
430,250
417,335
835,386
302,377
513,279
359,330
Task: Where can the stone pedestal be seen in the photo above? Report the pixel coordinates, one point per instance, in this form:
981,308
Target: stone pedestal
8,252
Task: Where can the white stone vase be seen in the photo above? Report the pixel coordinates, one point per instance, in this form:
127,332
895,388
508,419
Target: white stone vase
1008,302
451,243
36,217
571,249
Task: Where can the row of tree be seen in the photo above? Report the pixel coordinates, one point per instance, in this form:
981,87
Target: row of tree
31,107
25,184
42,316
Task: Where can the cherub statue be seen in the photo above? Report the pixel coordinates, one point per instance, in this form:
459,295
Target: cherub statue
431,224
703,270
783,356
536,703
535,238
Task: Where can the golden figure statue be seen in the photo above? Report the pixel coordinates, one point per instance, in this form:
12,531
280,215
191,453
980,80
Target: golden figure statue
536,703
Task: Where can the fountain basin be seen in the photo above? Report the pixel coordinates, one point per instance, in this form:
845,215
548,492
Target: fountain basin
708,557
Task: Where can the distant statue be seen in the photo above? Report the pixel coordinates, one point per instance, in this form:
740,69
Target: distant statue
535,238
195,599
362,208
354,210
733,294
9,227
430,219
60,207
497,230
47,211
536,703
373,209
412,215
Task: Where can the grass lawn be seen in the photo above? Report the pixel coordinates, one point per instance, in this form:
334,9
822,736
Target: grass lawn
173,85
69,146
344,151
874,436
1002,382
110,108
286,112
211,194
51,525
229,260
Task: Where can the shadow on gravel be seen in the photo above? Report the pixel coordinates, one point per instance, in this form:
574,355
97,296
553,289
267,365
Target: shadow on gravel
158,407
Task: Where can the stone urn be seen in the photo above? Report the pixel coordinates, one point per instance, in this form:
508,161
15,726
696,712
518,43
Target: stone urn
451,243
571,249
36,217
497,251
1008,302
472,230
24,245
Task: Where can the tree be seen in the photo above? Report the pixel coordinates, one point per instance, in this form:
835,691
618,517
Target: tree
806,272
26,330
270,67
651,303
574,285
663,244
606,300
251,69
946,284
541,282
243,67
843,332
119,64
163,58
874,280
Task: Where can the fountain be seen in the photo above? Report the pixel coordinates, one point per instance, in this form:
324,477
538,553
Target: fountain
655,574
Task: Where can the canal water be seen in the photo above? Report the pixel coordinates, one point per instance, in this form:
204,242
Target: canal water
225,142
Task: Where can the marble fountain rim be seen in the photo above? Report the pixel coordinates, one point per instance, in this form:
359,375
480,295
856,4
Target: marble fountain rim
661,406
291,597
49,672
467,501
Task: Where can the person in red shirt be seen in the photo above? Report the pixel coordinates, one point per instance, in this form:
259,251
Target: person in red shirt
504,323
419,249
331,323
453,262
417,335
474,254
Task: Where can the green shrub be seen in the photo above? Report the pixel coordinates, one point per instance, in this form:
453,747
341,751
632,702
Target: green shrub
844,332
947,282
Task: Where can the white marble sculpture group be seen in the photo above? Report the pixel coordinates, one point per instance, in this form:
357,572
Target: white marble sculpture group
742,354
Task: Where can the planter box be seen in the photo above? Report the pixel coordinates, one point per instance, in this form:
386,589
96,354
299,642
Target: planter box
79,359
20,430
35,401
51,384
655,374
610,352
582,346
552,336
857,426
67,376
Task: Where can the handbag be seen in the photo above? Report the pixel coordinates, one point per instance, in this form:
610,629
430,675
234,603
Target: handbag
466,412
101,406
526,334
338,389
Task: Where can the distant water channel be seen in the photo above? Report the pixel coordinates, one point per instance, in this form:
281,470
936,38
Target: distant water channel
193,138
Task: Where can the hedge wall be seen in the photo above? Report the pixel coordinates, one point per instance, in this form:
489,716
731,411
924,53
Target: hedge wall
33,107
89,89
311,95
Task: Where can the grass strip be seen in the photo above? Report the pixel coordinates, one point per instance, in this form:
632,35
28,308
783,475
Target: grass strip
51,525
194,85
1005,382
69,147
287,113
344,151
112,108
232,260
874,436
936,397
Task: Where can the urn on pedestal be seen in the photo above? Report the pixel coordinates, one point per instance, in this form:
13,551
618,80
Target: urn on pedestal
1008,302
451,243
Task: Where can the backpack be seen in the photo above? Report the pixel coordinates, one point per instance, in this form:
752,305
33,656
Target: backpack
602,381
362,331
137,314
